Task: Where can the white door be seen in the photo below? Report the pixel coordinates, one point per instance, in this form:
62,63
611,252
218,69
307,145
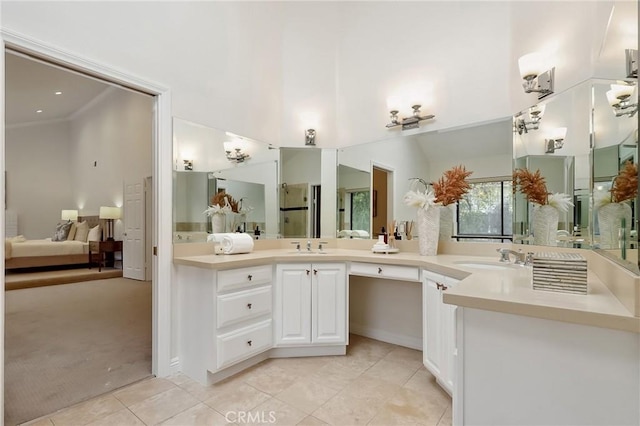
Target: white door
133,256
292,315
328,307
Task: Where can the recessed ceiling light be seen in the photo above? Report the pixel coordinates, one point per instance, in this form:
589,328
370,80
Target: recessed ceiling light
58,93
38,111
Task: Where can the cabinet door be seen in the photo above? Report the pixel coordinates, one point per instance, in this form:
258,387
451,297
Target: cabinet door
448,340
328,308
432,325
292,313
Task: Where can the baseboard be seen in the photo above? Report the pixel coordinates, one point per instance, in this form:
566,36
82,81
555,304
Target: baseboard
385,336
285,352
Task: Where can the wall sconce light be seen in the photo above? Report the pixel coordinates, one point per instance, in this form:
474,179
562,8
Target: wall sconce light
70,215
234,152
411,122
556,140
109,214
536,78
631,56
621,98
310,137
535,115
188,164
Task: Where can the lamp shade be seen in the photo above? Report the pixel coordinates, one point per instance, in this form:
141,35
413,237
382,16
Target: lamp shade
621,91
537,110
69,215
109,212
531,65
559,133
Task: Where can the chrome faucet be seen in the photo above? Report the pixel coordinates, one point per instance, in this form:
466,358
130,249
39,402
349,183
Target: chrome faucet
308,245
519,256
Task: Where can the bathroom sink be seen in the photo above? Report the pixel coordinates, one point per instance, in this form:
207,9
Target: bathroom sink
478,264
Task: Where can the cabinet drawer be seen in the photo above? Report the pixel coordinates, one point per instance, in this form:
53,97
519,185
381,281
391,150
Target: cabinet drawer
243,343
244,277
407,273
242,305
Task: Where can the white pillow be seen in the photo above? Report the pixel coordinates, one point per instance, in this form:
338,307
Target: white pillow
94,234
82,231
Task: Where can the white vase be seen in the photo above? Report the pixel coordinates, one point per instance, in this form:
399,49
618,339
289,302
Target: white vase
544,224
428,231
446,223
610,218
218,221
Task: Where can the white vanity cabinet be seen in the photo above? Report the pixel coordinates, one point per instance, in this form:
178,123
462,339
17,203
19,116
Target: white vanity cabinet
310,304
439,329
225,319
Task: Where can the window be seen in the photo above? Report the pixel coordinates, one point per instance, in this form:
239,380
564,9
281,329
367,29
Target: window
486,211
359,211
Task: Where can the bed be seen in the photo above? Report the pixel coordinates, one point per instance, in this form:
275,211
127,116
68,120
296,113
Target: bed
23,253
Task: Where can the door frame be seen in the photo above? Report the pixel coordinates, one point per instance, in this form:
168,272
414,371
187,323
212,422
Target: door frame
161,364
391,189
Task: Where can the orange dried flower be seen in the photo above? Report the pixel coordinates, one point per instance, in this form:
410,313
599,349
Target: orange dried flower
625,185
532,185
219,200
452,186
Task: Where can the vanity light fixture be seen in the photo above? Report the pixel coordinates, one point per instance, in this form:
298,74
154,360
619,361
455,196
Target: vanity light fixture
412,122
631,56
536,78
310,137
535,115
188,164
621,99
556,140
234,152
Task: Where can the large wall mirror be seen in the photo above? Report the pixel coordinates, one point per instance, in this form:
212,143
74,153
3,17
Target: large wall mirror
584,164
374,177
203,168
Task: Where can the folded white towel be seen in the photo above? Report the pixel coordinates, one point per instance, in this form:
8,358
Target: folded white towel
345,233
237,243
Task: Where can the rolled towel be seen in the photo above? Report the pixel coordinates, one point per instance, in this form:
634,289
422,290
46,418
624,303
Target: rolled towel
216,238
360,233
237,243
345,233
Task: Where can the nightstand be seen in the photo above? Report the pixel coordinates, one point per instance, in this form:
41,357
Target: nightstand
104,250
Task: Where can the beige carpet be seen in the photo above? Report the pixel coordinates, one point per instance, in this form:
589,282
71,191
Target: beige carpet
68,343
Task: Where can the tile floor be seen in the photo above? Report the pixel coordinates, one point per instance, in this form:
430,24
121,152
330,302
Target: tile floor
376,383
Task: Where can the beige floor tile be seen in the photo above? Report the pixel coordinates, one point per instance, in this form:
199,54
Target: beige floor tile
370,388
311,421
409,357
164,405
39,422
275,412
409,407
363,346
424,383
271,379
301,367
89,411
335,375
179,379
391,371
120,418
307,395
237,397
142,390
344,410
197,415
446,419
360,362
202,392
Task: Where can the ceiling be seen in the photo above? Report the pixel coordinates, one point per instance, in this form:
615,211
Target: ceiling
31,85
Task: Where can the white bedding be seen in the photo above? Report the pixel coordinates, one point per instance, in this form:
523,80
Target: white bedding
31,248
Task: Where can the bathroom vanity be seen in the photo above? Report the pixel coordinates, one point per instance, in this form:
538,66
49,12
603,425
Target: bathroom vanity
506,353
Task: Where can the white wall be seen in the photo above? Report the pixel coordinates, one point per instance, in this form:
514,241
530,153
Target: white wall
110,143
39,184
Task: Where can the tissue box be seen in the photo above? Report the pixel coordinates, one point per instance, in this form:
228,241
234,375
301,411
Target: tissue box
561,272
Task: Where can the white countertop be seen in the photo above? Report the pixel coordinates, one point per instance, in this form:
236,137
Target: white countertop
508,290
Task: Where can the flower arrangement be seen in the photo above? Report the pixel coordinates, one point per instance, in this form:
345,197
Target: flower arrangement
419,199
222,203
534,188
452,186
625,185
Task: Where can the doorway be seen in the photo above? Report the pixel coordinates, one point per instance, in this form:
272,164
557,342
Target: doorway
381,199
71,292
